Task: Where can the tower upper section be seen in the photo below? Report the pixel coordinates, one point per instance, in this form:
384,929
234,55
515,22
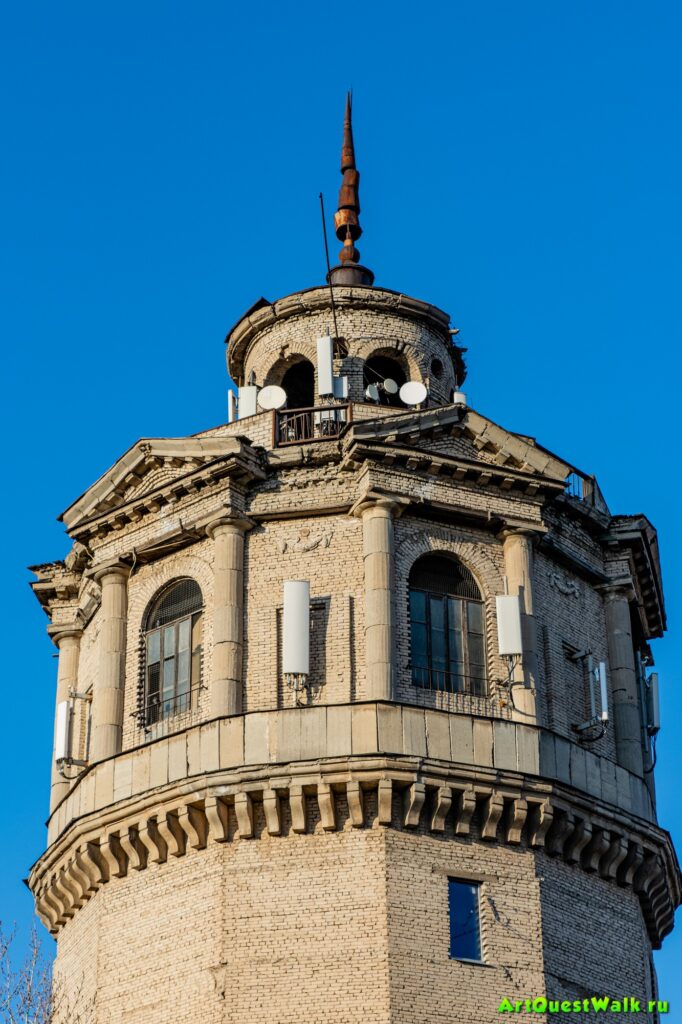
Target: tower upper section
383,335
359,605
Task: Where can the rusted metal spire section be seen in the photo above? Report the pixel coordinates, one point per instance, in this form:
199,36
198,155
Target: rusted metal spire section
347,217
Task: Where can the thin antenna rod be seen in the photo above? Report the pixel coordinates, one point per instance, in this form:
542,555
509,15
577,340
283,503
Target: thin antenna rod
329,269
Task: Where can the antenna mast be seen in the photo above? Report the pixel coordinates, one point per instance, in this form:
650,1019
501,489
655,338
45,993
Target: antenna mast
329,269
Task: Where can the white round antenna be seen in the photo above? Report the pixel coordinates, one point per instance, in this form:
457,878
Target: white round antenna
372,392
272,397
390,387
413,393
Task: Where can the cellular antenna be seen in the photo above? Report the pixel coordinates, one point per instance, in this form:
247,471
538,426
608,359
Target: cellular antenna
329,269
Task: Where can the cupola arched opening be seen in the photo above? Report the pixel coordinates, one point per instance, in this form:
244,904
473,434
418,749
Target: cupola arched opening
379,368
447,626
173,633
298,380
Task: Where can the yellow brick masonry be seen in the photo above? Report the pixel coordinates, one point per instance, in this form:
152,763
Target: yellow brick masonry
349,924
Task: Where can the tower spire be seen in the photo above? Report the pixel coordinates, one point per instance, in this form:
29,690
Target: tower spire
347,217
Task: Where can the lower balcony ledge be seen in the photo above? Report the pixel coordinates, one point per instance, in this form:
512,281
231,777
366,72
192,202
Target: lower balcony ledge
345,794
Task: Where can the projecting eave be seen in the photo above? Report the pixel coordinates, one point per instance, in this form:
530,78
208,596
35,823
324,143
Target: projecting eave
637,537
157,465
264,314
505,451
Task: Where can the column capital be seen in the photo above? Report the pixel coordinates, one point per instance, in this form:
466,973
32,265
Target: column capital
63,630
388,504
620,589
533,532
231,523
112,567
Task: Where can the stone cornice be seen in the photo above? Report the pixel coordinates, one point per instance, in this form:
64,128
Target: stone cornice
264,314
196,462
453,801
637,538
448,467
411,427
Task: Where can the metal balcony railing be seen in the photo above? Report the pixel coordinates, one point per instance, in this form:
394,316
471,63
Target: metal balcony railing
304,426
427,678
157,716
586,489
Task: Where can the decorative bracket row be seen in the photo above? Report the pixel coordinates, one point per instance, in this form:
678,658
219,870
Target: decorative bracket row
492,813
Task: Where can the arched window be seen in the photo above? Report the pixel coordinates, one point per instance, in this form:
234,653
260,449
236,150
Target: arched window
446,627
378,369
299,384
173,638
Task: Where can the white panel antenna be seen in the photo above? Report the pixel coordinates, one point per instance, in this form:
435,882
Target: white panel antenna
272,397
296,628
413,392
248,401
231,406
603,690
62,745
325,366
509,625
459,398
340,387
653,705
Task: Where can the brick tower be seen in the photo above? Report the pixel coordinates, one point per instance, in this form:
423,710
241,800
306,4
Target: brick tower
355,709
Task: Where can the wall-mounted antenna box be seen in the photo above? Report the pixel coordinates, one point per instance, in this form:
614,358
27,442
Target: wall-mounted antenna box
653,706
509,638
325,366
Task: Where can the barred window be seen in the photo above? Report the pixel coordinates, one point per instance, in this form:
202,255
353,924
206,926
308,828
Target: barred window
446,627
173,646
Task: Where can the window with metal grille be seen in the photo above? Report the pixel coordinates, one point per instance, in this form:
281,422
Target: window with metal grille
447,629
173,647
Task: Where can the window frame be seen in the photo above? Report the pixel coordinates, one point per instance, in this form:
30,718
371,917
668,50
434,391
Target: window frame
470,883
156,708
442,679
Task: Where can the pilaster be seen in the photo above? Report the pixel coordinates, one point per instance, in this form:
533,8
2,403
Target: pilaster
377,516
518,545
67,639
108,689
227,533
623,673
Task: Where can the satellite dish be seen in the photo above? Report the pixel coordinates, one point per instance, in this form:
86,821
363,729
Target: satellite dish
413,393
390,387
272,397
372,392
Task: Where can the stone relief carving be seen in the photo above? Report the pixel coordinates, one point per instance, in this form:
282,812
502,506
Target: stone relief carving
567,587
303,542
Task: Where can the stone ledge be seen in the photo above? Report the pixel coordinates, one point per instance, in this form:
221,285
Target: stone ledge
344,730
411,793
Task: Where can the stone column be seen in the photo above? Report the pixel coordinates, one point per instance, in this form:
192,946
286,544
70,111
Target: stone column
228,614
67,639
518,563
627,721
378,555
108,690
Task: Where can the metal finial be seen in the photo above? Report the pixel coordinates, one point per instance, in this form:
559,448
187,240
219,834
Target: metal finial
346,218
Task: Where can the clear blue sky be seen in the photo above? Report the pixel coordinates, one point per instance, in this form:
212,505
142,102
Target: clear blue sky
521,168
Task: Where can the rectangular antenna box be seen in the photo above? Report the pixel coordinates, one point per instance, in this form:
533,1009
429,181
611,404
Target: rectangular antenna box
509,624
296,628
248,401
325,366
62,731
